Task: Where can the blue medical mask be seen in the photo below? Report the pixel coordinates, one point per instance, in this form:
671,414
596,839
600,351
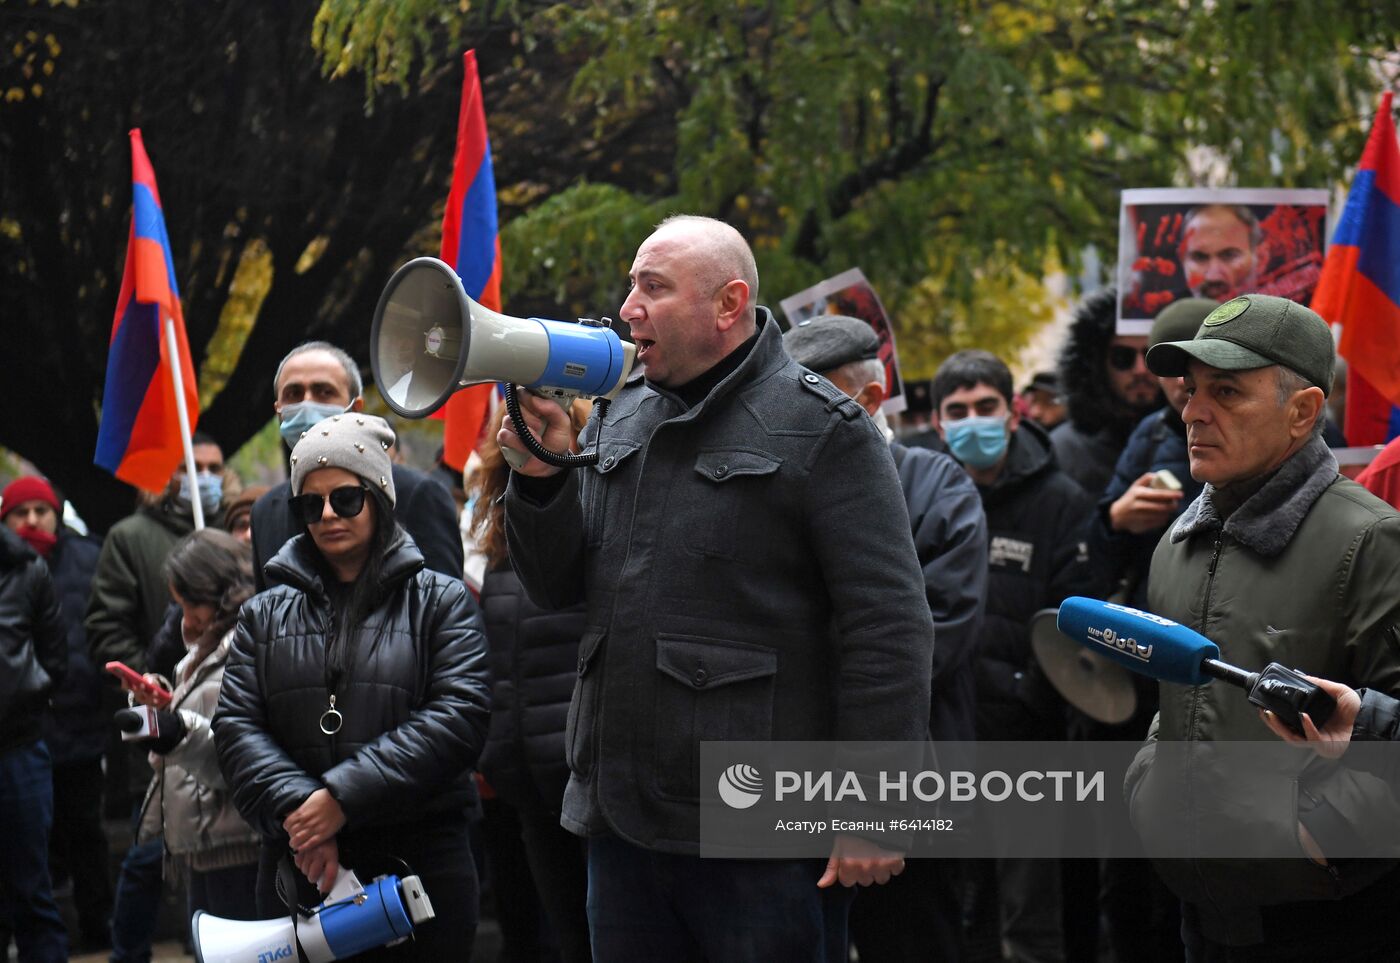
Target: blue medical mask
303,416
977,442
211,492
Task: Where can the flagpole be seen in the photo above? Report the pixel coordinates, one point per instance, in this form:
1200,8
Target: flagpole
177,378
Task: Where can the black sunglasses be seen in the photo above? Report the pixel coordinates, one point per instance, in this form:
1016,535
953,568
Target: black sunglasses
1122,357
347,502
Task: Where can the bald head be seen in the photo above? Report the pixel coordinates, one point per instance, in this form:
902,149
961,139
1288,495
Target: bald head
720,253
692,300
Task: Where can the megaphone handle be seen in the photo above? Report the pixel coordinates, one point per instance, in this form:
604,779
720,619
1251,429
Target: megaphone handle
538,450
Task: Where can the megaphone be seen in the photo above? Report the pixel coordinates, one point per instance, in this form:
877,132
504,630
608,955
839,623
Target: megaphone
353,919
429,340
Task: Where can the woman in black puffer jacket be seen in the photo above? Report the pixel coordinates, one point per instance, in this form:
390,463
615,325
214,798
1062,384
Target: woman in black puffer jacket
534,663
356,696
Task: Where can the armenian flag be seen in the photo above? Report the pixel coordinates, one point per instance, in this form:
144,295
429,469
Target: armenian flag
1360,287
139,439
471,244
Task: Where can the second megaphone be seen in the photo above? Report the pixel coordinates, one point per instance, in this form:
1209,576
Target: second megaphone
429,340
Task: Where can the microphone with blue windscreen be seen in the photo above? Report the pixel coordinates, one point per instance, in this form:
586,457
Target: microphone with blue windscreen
1170,652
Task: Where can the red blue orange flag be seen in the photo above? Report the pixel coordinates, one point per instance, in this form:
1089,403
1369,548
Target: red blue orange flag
1360,287
472,245
139,439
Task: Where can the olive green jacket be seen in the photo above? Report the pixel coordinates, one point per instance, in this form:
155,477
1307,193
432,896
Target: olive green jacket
1306,572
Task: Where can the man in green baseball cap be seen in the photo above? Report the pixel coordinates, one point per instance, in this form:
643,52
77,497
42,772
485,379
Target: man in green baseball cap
1262,368
1279,559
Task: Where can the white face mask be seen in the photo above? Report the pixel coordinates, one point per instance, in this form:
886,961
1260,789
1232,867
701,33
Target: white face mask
302,417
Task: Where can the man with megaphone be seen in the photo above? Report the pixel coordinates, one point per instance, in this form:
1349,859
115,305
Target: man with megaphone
1280,559
745,556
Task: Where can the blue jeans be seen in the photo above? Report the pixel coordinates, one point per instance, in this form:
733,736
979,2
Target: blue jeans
26,813
645,905
137,902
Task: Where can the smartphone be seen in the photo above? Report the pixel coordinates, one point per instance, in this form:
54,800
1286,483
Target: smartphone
1165,480
139,683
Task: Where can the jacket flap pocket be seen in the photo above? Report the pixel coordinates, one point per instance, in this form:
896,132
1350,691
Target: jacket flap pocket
720,466
703,663
613,452
588,647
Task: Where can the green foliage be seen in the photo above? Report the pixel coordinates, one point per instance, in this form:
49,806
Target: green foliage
940,146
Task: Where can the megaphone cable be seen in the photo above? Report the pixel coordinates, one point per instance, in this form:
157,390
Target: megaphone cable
536,448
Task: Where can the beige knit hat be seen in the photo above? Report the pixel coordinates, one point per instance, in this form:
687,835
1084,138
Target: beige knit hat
355,442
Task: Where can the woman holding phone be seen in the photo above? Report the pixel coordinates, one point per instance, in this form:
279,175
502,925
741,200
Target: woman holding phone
356,697
210,575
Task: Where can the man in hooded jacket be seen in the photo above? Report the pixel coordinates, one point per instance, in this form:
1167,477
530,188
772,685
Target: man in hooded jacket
1109,389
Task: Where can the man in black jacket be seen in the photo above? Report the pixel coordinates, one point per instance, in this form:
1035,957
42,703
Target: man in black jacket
75,727
33,658
918,916
1109,390
745,555
1036,517
314,381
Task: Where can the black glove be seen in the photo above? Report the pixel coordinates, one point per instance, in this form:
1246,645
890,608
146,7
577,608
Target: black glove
170,729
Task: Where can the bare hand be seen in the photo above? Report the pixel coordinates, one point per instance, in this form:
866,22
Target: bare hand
1310,846
141,695
549,423
314,822
858,861
1143,508
319,864
1332,740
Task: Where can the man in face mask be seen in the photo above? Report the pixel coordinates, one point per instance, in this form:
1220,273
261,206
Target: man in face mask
316,381
208,476
1036,557
74,727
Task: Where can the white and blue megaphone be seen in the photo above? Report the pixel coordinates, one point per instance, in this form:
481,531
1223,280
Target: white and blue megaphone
429,339
352,919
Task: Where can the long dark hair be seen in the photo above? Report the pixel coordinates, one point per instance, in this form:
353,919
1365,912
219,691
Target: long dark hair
357,601
210,567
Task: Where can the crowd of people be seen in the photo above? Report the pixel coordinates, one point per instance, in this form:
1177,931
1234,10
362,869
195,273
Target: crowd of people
757,554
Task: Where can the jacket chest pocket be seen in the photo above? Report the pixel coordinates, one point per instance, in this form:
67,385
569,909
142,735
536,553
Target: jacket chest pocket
707,690
727,518
583,707
600,487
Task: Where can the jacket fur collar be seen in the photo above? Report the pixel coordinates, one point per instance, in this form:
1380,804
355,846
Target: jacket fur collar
1265,523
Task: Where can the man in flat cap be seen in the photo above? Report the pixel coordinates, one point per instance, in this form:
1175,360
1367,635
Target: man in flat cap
919,915
1280,559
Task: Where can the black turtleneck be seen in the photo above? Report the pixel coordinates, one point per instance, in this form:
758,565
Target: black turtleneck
698,388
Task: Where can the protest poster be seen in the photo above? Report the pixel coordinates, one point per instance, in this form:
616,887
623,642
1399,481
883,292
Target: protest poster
1215,243
849,293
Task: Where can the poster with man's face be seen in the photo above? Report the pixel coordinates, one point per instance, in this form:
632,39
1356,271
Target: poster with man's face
1215,243
849,293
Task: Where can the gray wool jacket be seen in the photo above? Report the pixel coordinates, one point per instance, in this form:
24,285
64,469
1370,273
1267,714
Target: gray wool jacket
749,574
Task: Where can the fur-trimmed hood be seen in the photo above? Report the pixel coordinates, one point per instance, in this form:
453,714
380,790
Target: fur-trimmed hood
1092,404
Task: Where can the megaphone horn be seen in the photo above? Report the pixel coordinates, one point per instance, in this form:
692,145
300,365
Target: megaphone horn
429,339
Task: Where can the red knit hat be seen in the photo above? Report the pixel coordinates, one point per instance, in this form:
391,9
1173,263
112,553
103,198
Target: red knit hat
30,488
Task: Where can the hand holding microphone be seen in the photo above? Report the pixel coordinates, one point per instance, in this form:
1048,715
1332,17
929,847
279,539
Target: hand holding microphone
1170,652
1332,739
